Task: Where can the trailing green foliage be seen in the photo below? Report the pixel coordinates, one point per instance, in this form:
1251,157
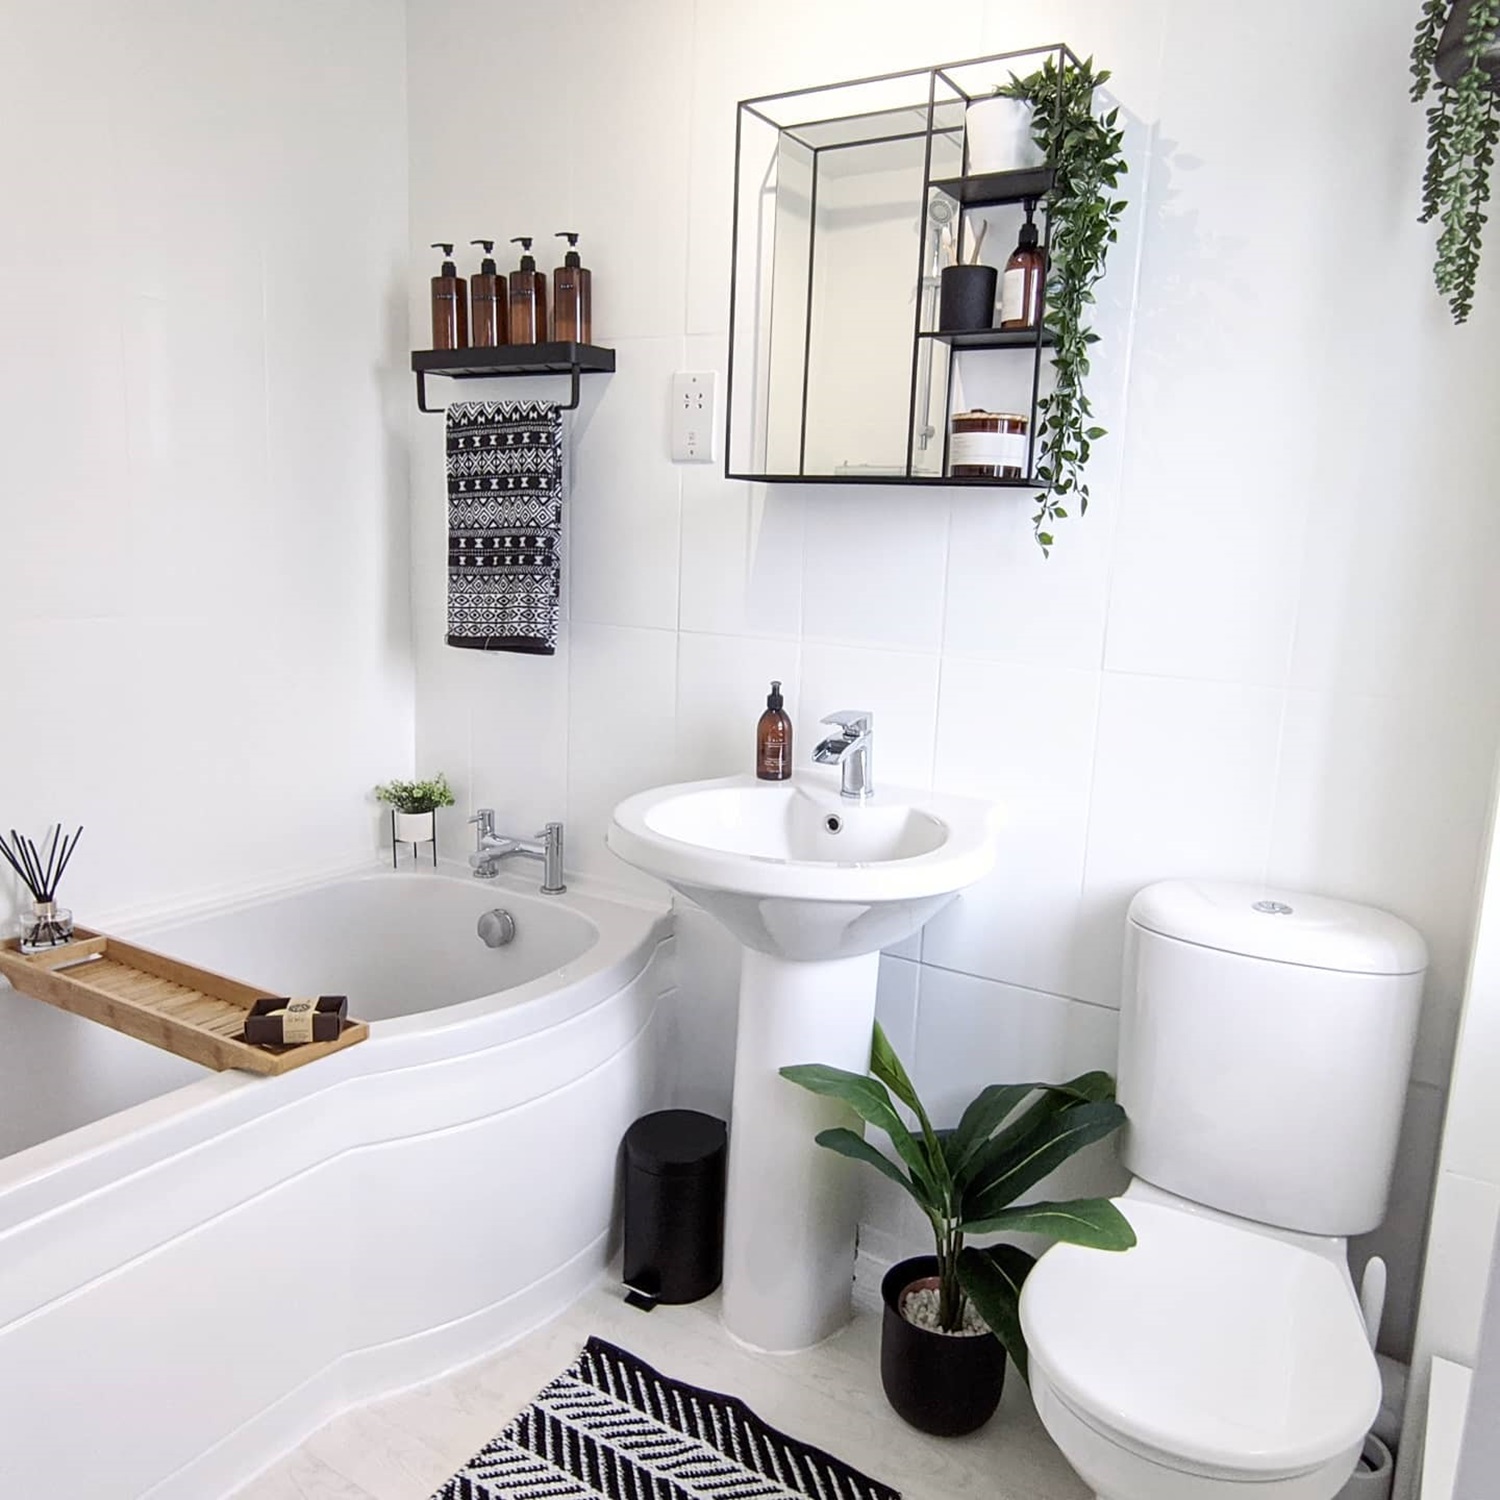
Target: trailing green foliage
1463,126
1087,153
417,796
966,1180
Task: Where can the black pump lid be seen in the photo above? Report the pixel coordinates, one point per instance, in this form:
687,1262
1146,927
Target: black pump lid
571,258
487,265
449,269
1029,239
774,699
528,260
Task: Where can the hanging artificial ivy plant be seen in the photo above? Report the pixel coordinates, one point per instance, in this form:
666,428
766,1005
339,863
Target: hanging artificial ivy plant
1086,151
1451,58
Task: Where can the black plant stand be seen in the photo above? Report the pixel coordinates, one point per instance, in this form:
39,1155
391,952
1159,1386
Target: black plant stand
415,845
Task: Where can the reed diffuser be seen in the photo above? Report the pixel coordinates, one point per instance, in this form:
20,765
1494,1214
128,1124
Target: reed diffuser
49,925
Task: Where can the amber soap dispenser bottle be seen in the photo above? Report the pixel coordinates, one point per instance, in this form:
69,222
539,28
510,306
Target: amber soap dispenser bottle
572,296
528,298
1025,277
450,304
773,740
488,301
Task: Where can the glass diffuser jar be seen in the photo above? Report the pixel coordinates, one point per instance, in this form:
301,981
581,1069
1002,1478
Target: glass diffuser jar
48,925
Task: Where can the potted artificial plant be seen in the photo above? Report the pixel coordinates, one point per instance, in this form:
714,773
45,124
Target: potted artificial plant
951,1318
998,133
412,805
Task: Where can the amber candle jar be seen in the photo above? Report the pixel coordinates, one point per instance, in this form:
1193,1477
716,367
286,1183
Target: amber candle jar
987,445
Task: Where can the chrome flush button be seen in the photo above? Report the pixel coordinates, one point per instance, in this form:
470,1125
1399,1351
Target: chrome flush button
1272,908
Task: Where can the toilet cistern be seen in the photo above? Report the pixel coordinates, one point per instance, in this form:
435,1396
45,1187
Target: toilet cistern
852,750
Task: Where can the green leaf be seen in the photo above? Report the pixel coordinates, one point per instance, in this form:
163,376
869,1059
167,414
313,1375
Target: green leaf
992,1280
853,1145
1008,1174
982,1119
886,1067
869,1100
1092,1222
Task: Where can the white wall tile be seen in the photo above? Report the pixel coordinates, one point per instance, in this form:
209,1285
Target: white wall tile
872,568
622,698
706,1012
899,689
1022,737
1372,806
1184,774
624,494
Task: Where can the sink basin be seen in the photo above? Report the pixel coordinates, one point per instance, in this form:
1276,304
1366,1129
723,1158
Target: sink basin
796,871
813,885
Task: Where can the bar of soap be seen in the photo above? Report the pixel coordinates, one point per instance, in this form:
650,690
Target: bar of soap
269,1024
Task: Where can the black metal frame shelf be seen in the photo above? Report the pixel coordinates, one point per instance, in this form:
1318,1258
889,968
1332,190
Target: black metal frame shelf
558,358
994,338
994,189
935,481
829,119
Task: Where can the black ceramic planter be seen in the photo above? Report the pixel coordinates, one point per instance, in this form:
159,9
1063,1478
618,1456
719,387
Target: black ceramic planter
966,303
941,1383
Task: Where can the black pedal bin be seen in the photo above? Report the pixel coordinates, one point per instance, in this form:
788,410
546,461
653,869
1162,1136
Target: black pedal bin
674,1205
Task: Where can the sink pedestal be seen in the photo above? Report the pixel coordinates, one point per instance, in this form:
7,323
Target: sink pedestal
793,1208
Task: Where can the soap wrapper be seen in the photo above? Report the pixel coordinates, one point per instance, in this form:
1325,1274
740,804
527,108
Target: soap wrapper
283,1021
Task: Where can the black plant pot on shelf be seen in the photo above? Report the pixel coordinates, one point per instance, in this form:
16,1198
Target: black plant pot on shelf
966,303
943,1383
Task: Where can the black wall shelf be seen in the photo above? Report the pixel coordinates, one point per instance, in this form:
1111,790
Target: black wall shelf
937,481
568,359
990,189
994,338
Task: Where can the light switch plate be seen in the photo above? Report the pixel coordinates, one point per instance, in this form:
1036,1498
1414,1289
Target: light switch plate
693,416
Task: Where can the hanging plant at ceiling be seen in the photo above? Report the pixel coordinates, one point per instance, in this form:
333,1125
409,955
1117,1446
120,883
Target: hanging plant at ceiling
1086,151
1454,58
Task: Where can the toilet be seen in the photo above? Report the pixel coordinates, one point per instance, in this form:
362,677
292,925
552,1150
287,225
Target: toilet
1265,1043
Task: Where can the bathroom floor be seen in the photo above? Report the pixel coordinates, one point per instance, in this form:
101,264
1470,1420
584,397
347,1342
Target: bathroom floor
402,1448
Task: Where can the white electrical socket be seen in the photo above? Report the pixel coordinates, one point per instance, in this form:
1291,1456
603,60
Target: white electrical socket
693,417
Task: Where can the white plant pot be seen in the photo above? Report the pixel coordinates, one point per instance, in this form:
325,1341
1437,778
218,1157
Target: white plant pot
414,828
999,136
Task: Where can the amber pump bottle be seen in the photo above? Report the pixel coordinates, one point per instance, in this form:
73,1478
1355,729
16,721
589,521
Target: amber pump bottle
489,306
572,296
1025,278
773,740
528,298
450,304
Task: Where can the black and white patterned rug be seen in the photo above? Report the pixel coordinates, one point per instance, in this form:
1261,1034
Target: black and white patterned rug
611,1426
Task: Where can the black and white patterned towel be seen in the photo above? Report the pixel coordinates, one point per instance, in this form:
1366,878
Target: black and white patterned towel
610,1426
504,525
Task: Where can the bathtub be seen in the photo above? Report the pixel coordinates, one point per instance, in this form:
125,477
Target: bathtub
198,1269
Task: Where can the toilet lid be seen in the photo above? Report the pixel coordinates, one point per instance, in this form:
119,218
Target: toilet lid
1214,1345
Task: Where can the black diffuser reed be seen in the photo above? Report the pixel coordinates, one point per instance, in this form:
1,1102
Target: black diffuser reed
41,875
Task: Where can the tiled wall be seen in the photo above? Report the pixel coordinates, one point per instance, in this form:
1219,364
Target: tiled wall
204,621
1265,653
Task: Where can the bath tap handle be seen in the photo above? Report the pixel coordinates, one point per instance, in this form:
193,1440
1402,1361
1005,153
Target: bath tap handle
485,818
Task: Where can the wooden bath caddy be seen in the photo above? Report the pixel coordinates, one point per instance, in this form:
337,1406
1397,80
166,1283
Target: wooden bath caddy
193,1012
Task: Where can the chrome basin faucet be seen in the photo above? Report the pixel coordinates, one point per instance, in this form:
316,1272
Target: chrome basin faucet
491,847
852,750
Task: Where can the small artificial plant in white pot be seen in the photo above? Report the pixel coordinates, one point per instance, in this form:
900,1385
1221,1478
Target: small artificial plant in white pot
1000,136
413,804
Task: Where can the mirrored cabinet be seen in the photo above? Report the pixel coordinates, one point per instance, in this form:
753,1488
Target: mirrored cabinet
871,305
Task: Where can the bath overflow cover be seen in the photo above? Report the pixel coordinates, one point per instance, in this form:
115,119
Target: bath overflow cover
497,928
1273,908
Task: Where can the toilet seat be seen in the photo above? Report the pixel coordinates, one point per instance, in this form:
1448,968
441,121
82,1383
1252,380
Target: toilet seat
1208,1348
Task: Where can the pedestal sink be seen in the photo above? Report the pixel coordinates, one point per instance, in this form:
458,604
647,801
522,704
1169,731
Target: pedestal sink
813,885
